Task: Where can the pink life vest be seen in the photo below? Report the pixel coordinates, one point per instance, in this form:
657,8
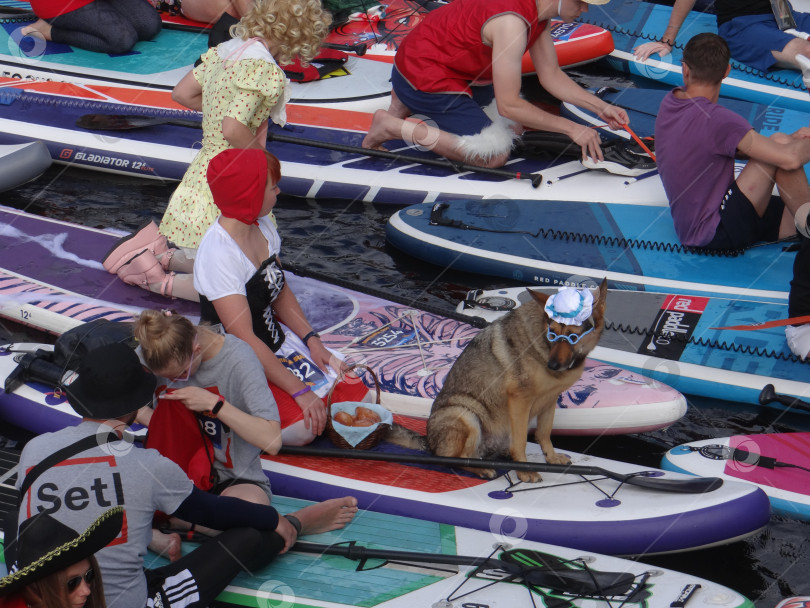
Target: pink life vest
446,52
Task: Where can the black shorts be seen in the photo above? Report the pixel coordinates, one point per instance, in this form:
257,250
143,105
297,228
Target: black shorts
740,226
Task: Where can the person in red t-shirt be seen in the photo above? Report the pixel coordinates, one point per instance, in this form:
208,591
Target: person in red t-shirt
468,52
102,26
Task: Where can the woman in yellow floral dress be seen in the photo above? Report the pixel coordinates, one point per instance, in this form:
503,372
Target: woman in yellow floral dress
238,86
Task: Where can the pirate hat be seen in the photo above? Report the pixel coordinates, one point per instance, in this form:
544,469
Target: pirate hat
45,545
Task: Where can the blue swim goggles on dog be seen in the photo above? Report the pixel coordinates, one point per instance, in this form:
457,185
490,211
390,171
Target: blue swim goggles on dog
572,339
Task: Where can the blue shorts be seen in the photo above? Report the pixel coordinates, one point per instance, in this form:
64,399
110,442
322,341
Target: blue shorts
751,38
740,225
452,112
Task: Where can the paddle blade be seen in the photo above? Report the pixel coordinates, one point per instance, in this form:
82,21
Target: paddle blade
695,485
570,576
127,122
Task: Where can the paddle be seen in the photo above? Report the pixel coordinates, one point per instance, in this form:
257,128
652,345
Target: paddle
125,122
537,569
358,49
769,395
642,479
535,178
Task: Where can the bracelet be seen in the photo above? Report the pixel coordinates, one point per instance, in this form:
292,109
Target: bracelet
295,523
303,391
312,334
217,407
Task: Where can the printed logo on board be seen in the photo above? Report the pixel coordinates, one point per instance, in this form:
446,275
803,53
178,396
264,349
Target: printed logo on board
673,326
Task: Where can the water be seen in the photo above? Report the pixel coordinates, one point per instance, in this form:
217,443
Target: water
347,241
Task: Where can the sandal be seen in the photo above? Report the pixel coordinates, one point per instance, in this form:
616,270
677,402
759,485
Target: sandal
144,270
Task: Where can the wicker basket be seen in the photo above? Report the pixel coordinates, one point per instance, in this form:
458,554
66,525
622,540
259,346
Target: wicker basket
372,438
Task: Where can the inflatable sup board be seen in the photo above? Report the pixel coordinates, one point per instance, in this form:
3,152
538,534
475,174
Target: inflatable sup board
676,339
634,247
50,279
779,463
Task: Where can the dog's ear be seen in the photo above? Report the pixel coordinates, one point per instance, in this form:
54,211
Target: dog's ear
599,306
540,297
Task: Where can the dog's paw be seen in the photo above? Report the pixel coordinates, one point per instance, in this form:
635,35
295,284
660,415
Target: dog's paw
485,473
529,476
557,458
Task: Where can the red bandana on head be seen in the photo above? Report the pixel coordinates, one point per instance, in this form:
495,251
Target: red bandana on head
237,178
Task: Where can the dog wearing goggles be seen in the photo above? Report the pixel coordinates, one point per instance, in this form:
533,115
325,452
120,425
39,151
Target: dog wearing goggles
508,375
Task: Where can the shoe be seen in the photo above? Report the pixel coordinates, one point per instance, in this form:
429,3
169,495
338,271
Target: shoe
798,339
144,270
804,66
146,237
622,158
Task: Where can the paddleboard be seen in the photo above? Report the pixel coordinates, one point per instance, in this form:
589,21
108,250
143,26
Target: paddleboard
633,23
50,279
642,108
763,460
592,513
165,150
675,339
302,580
634,247
376,30
161,63
22,163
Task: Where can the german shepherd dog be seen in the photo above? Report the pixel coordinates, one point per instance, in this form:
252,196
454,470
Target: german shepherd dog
510,373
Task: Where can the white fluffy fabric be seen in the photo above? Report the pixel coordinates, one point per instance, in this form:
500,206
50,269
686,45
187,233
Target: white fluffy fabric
570,306
798,339
492,141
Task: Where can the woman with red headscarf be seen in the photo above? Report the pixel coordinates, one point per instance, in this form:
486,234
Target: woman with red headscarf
238,274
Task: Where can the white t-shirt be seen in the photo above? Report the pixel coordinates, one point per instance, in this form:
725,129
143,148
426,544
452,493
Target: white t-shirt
221,268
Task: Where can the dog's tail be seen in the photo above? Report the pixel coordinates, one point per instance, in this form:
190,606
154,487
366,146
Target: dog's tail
406,438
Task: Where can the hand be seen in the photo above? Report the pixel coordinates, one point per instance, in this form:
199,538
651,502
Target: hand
588,140
802,133
194,398
643,52
314,412
615,116
287,532
320,355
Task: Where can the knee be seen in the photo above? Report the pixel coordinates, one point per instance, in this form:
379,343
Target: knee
490,162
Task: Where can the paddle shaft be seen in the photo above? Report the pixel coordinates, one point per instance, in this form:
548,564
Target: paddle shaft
535,178
571,580
690,485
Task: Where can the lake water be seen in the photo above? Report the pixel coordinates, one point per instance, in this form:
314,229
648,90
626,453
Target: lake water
346,240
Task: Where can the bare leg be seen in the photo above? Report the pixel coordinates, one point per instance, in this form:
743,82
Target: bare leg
40,28
327,515
182,286
786,58
206,11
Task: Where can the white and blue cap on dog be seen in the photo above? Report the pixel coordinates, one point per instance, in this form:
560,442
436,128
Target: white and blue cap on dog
570,306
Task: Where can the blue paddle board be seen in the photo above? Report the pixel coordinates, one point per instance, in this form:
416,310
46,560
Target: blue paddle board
633,23
550,243
678,339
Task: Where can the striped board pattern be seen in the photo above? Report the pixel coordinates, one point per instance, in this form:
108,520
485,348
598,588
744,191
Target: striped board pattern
675,339
751,458
164,151
633,23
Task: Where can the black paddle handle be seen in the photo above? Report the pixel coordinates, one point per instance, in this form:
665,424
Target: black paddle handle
768,395
358,49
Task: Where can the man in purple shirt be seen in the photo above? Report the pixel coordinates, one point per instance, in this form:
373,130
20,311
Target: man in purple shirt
696,143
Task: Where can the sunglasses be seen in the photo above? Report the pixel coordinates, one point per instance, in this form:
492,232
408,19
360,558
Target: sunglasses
73,583
572,339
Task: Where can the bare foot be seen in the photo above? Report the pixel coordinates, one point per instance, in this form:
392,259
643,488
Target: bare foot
167,545
379,132
40,29
327,515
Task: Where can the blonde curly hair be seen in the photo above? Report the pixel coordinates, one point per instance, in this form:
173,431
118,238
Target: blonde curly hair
292,27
